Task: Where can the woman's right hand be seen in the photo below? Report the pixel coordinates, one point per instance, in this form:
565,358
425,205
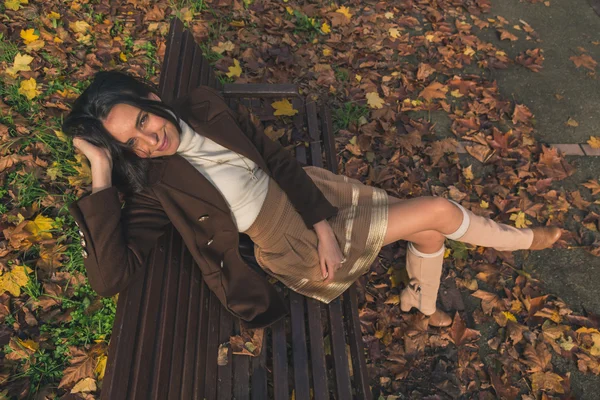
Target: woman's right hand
96,155
100,162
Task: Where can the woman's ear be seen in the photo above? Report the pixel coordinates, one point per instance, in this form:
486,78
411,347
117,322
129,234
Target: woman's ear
153,97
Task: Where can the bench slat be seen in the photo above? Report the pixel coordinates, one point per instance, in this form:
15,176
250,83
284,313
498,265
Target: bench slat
338,350
280,363
181,321
202,339
328,139
317,350
225,371
259,372
357,348
171,63
241,373
185,76
316,157
299,350
212,345
260,90
192,330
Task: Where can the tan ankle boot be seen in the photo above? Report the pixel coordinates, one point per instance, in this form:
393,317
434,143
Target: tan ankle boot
424,271
544,237
485,232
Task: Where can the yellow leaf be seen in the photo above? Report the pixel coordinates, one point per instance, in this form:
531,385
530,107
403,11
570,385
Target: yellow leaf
60,135
289,10
40,227
326,52
456,93
12,4
374,101
85,385
484,204
84,39
284,107
358,77
57,40
79,26
20,63
238,24
546,381
594,142
68,93
28,88
123,57
572,122
223,47
54,171
325,28
35,45
236,70
468,173
53,15
393,299
187,15
389,15
509,316
447,252
345,11
29,35
29,344
100,367
520,220
469,51
83,168
394,32
14,280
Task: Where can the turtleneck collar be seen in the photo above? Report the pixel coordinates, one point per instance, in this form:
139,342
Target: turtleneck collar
188,139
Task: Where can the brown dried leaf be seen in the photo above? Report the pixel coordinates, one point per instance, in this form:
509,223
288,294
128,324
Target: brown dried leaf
585,61
489,301
548,381
460,333
82,366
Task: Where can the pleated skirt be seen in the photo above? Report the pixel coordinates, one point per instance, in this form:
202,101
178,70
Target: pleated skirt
287,250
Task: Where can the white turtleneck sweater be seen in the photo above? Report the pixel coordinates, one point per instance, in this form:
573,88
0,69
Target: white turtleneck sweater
244,195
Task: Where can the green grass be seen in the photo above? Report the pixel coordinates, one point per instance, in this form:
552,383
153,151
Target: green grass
26,187
8,50
349,113
20,103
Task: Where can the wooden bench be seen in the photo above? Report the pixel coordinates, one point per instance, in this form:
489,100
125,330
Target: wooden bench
169,314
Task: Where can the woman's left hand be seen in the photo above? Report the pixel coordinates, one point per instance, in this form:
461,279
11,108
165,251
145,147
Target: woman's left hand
330,254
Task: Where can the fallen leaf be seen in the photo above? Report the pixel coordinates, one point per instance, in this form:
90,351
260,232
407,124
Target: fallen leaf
374,101
28,88
235,70
546,381
28,35
571,122
435,90
85,385
13,280
20,63
593,185
585,61
594,142
82,366
489,301
284,107
460,334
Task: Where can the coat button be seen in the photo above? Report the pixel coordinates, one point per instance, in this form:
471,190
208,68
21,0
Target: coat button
82,243
209,242
84,254
221,263
203,218
81,234
76,224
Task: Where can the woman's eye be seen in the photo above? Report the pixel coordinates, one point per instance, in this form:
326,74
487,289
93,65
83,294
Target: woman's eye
131,142
143,120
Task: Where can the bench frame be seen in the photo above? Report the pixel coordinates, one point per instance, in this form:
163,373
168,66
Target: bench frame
168,325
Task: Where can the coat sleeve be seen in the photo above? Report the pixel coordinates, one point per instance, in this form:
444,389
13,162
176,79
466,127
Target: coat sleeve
117,241
302,192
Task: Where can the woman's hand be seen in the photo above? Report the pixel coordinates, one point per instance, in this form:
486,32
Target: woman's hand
100,163
96,155
330,254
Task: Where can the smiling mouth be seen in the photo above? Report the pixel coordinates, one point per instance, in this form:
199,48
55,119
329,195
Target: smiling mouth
165,143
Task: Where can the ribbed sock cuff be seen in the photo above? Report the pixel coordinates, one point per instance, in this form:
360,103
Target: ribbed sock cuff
462,229
416,252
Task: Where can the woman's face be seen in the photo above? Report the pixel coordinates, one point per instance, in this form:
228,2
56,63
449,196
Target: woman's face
147,134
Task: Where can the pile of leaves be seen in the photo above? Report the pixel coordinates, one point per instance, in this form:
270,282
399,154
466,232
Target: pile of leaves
384,68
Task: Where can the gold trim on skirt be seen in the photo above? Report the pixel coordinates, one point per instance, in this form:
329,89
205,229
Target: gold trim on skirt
287,250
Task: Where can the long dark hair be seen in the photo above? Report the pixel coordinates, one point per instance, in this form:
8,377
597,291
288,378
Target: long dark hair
108,89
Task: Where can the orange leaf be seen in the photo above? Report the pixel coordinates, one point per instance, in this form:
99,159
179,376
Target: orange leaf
435,90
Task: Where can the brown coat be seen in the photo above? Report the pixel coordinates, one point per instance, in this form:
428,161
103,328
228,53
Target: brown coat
117,241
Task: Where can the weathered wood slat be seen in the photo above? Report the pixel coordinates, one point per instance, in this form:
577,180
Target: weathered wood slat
280,362
192,331
241,374
224,372
202,339
359,365
317,350
261,90
328,139
299,350
338,350
212,346
259,373
171,63
316,157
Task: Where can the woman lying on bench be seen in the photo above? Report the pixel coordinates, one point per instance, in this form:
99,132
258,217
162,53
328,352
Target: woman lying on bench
201,166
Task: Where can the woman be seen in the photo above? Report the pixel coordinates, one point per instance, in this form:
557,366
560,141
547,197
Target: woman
198,165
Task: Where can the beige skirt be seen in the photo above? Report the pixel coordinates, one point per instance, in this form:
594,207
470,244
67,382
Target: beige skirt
287,250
